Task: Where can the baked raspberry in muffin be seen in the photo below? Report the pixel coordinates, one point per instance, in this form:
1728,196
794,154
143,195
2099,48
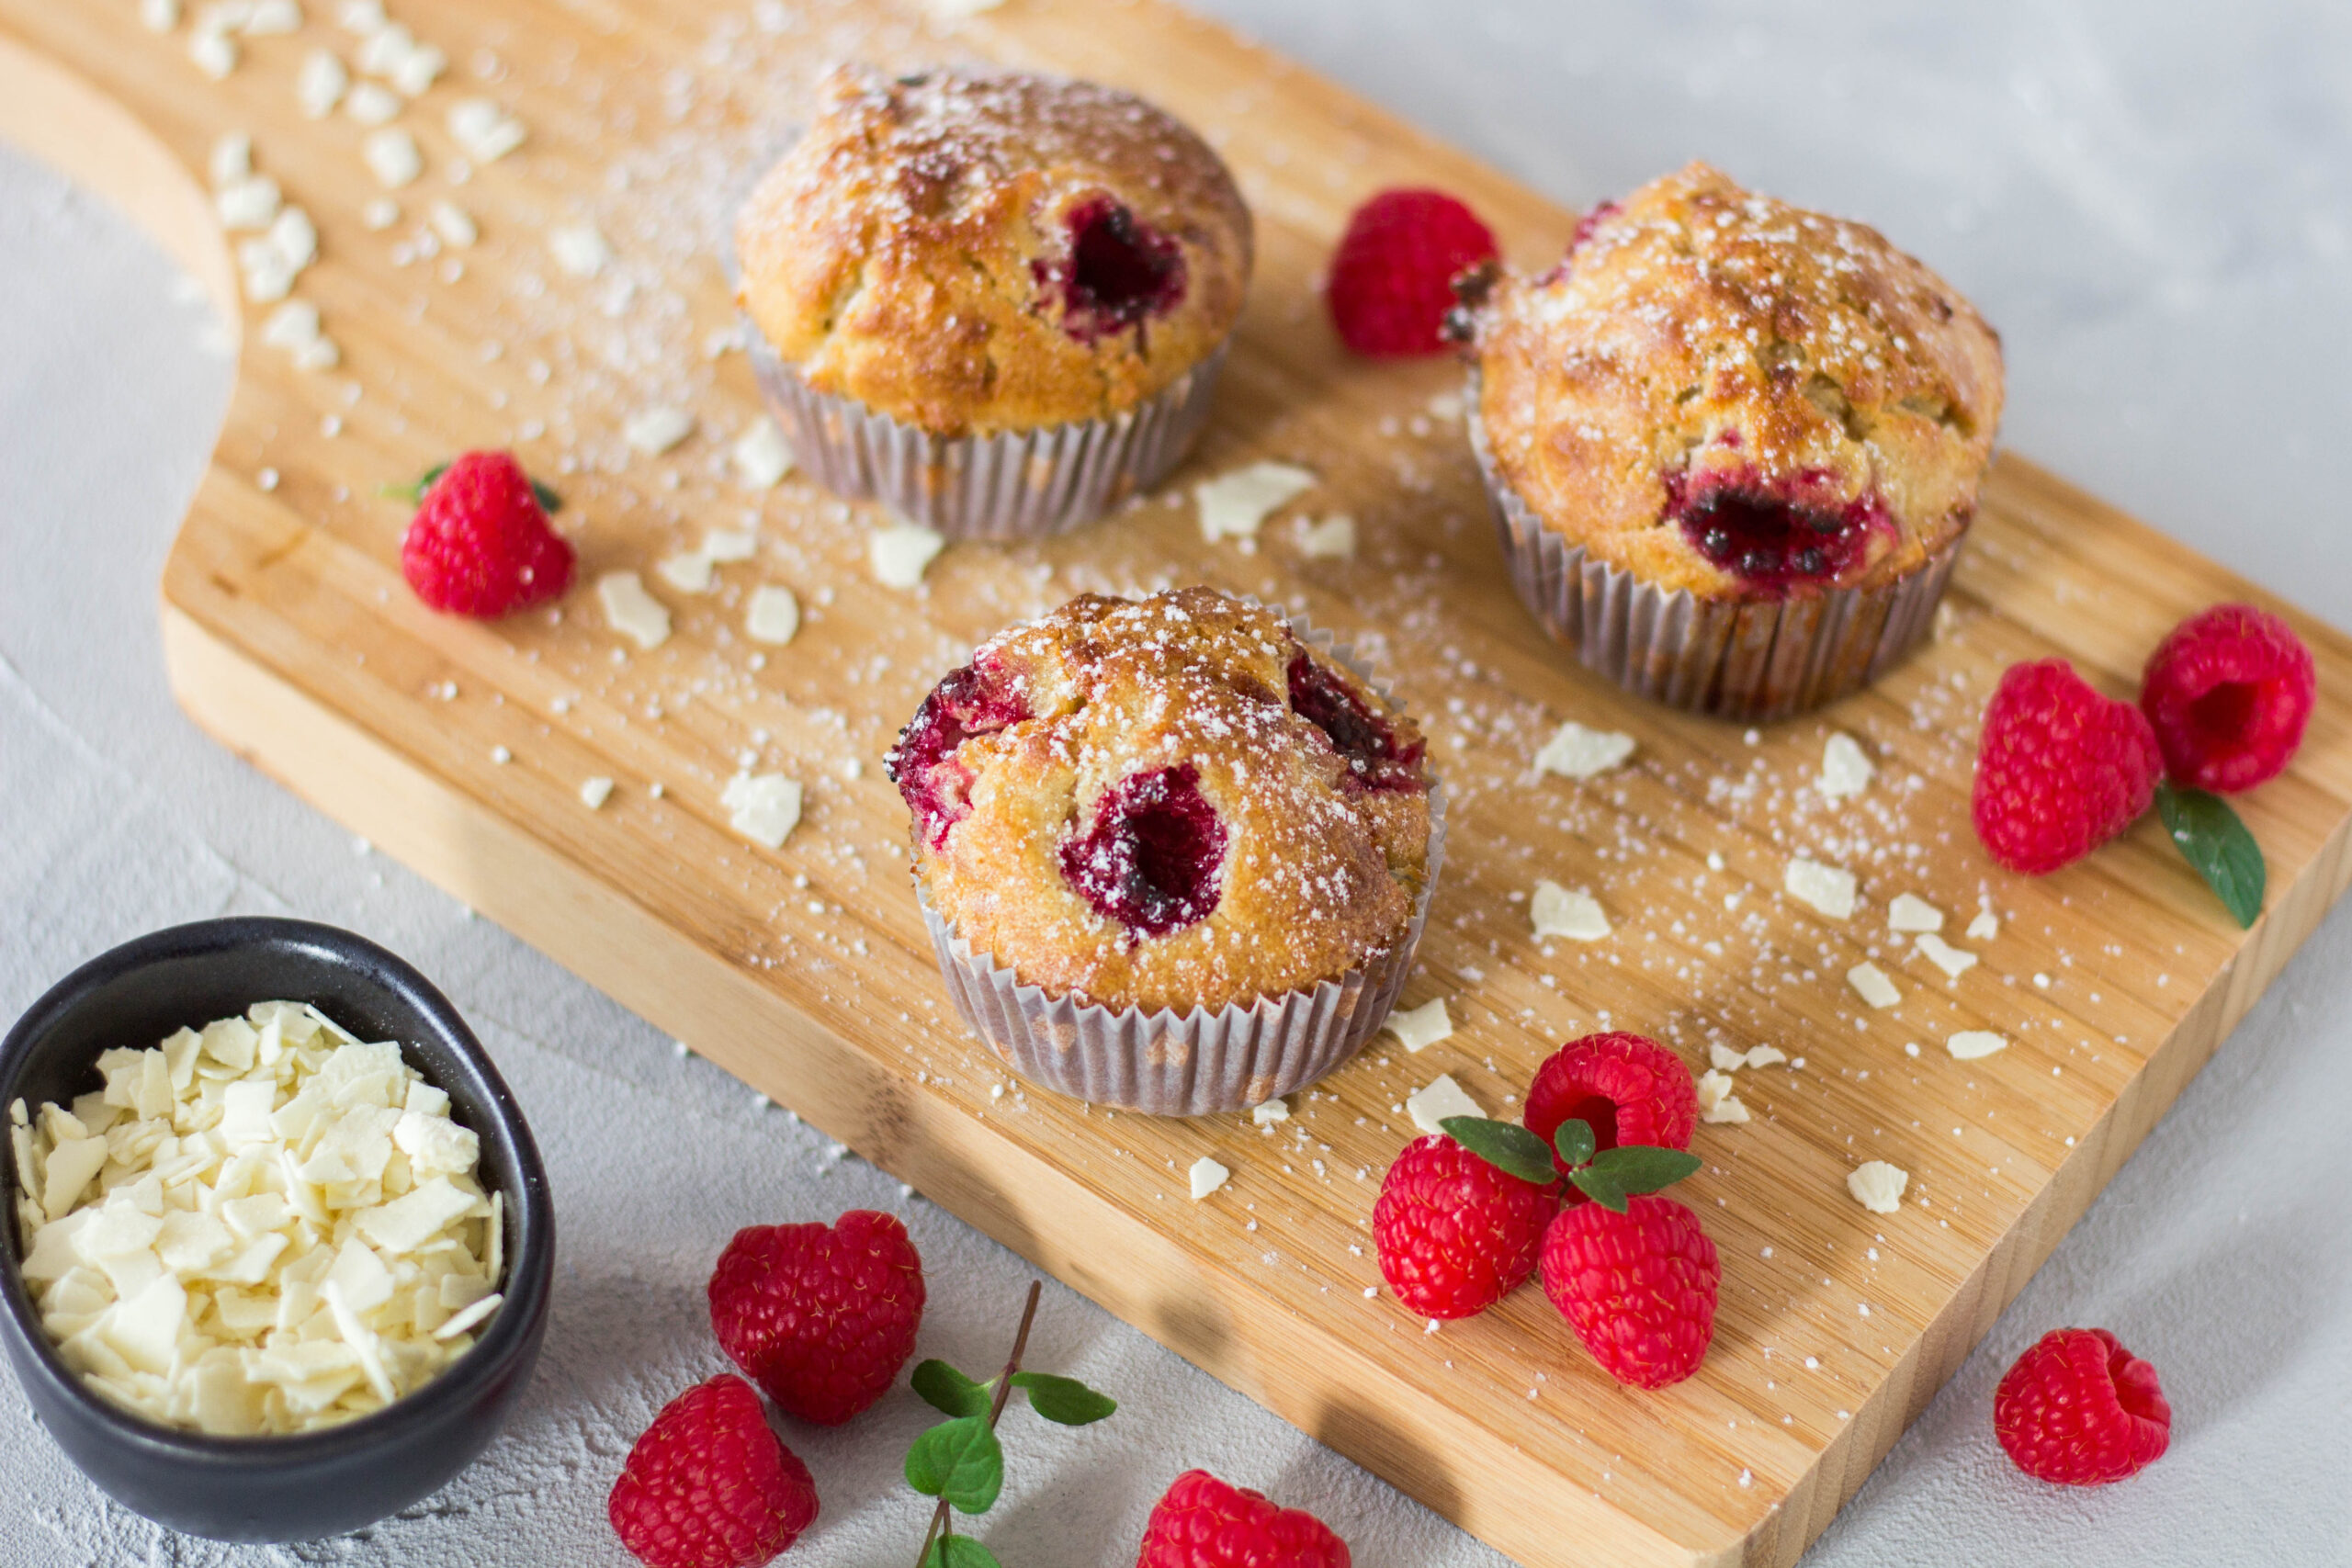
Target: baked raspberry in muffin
1177,807
958,257
1717,394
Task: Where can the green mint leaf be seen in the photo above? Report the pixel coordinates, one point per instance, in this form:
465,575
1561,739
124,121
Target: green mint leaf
1506,1146
959,1461
2211,837
948,1391
549,501
959,1552
1601,1187
1575,1142
1065,1401
1639,1167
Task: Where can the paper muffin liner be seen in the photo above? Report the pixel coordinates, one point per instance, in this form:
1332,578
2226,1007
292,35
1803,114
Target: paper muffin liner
1014,485
1750,661
1199,1061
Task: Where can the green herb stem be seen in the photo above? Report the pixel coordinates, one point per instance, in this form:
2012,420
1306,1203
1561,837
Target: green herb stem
939,1522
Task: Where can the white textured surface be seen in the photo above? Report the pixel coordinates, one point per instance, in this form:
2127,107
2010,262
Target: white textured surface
2159,217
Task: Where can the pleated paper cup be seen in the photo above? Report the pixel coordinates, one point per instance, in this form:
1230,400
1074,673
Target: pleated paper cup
1193,1062
1012,486
1748,662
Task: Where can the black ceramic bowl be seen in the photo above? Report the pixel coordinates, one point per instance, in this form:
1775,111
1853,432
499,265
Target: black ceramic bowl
318,1484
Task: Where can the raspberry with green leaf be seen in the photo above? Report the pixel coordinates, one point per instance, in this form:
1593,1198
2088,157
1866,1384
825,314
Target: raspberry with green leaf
2229,693
1627,1087
1633,1273
479,543
1454,1231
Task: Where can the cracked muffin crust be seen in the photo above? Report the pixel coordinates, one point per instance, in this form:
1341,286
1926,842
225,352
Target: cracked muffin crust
1720,392
971,251
1166,803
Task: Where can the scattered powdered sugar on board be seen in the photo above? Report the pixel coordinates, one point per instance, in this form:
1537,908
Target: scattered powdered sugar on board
1688,849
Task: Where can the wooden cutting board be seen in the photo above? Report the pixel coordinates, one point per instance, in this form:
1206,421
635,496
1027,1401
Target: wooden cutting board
461,749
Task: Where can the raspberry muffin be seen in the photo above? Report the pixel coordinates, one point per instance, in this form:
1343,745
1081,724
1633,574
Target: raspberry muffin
995,302
1733,445
1175,853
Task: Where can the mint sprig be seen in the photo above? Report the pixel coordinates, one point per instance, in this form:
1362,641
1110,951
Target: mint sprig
2211,837
960,1461
1609,1176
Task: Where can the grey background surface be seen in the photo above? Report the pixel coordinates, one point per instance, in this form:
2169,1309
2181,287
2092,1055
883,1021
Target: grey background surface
2154,202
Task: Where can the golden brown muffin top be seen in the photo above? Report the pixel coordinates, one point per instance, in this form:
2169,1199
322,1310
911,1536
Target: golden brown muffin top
973,252
1720,392
1166,803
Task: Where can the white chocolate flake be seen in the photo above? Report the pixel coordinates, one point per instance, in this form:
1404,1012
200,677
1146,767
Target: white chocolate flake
654,431
1955,962
901,553
1870,983
763,808
1555,911
1421,1027
391,156
580,249
1846,769
1433,1104
485,132
772,616
1577,753
631,611
1909,912
1718,1103
1236,505
1827,889
320,84
1878,1186
761,455
1333,538
1207,1176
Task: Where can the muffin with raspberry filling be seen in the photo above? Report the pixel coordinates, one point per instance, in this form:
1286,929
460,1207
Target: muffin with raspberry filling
1734,444
993,300
1175,852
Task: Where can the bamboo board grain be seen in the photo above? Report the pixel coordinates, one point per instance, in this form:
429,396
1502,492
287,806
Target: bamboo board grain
290,635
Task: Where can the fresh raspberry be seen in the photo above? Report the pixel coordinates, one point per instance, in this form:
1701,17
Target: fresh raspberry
2080,1410
479,543
2229,693
2060,770
1203,1523
1639,1288
822,1317
1628,1089
1454,1234
708,1485
1392,278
